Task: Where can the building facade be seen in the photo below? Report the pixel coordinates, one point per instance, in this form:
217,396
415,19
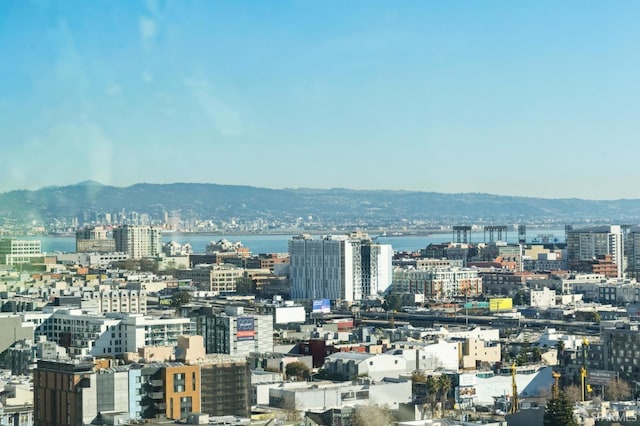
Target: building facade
347,268
586,244
15,252
233,332
438,283
138,241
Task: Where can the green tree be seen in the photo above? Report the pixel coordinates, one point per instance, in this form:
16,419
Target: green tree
297,369
444,386
432,391
180,298
392,302
559,412
520,298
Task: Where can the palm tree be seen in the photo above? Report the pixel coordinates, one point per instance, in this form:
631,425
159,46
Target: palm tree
444,386
432,389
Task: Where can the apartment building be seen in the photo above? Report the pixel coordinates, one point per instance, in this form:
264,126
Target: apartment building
138,241
586,244
343,267
79,392
84,334
437,283
234,332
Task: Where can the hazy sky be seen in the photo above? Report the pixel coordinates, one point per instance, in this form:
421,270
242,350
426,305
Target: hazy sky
533,98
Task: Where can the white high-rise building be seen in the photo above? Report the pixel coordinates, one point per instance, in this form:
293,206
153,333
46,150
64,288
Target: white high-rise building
138,241
340,267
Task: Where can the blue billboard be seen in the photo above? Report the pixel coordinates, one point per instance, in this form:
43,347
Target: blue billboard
321,306
246,329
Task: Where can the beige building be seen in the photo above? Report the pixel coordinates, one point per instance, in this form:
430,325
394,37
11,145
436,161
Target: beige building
214,278
475,352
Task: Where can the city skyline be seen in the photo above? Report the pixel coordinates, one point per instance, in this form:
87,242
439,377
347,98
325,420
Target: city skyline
525,99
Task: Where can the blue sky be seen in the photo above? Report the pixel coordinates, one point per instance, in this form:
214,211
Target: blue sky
516,98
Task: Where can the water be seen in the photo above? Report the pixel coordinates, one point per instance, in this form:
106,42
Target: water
279,243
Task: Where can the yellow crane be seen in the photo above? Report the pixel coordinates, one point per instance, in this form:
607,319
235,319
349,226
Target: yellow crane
585,386
514,390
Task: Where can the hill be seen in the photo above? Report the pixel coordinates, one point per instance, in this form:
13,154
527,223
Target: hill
330,207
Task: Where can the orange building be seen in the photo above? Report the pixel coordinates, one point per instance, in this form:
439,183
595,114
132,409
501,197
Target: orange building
181,390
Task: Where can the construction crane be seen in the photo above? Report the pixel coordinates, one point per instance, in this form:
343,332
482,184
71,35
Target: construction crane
556,385
585,386
514,390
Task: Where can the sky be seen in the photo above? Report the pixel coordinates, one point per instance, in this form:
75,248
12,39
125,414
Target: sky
528,98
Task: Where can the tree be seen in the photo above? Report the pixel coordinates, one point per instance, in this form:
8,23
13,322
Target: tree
432,390
297,369
392,302
617,390
574,393
444,386
559,412
180,298
373,415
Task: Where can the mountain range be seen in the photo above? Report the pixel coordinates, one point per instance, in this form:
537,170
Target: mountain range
336,206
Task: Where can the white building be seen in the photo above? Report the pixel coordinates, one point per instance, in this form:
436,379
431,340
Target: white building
347,268
350,365
14,252
323,395
101,260
429,355
437,282
138,241
113,334
543,298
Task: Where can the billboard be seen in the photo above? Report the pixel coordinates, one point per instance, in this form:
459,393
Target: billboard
500,304
467,380
602,377
289,314
246,329
321,306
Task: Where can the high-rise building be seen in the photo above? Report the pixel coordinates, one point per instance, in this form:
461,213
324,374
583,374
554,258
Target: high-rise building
138,241
632,252
14,251
587,244
342,267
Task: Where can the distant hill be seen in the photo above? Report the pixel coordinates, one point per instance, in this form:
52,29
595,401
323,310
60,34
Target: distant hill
330,206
